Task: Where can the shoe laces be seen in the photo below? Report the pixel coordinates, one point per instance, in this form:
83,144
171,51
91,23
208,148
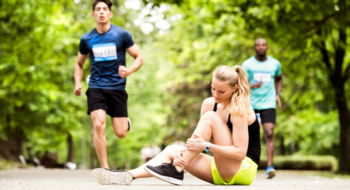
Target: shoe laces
165,165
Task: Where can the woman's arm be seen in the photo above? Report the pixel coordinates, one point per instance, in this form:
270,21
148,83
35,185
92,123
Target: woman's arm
240,137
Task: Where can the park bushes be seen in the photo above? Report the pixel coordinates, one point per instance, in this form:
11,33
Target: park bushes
299,162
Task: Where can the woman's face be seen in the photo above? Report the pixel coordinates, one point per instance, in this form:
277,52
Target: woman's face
221,90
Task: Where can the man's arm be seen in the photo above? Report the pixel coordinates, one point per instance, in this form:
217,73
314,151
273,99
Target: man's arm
135,52
278,85
78,72
256,85
245,68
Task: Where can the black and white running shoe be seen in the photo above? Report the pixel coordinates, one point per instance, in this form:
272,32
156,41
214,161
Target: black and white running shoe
106,177
166,172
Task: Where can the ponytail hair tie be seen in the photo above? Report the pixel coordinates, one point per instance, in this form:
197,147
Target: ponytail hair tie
234,68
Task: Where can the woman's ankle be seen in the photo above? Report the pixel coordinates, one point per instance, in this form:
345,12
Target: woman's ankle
179,168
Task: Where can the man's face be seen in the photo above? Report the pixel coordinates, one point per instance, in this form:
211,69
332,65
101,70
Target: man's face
102,14
260,47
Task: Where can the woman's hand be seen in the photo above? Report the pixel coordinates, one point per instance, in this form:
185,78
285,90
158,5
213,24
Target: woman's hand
196,143
178,160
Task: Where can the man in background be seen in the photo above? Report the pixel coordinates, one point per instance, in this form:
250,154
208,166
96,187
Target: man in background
265,76
106,45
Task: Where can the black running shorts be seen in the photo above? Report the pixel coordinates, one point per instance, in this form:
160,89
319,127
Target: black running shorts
267,115
113,101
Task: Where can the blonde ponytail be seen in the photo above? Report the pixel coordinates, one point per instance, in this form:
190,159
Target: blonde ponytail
235,75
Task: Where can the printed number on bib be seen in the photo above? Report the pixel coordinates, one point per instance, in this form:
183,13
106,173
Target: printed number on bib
265,77
105,52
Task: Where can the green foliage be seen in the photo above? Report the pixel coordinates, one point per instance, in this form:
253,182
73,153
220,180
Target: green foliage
302,162
313,132
35,93
37,58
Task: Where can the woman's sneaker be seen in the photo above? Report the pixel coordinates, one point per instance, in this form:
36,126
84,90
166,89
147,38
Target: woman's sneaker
270,172
166,172
106,177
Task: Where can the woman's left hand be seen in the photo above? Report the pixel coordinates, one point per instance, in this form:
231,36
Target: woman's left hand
196,143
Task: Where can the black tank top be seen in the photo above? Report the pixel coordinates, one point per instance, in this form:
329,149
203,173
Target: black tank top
254,146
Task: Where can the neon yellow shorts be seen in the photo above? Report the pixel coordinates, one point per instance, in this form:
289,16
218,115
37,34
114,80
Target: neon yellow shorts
245,175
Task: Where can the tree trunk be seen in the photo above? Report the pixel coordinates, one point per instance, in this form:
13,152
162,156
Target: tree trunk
12,146
344,128
18,138
282,145
70,144
8,126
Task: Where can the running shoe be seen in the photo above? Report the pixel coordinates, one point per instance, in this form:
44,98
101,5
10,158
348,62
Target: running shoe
129,124
270,172
71,165
166,172
106,177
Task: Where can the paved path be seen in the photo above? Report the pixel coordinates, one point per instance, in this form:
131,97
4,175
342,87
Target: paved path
41,179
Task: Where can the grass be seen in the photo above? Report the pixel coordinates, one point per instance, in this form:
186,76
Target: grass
6,165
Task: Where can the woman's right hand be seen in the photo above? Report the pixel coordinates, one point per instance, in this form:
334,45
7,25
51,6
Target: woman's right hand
178,160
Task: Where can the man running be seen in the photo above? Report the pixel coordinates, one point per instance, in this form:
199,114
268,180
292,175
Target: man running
106,94
265,77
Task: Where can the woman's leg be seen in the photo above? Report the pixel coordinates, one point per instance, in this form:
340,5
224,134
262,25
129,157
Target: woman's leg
201,167
166,156
212,127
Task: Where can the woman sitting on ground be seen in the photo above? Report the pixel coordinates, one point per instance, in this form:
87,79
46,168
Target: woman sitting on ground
228,128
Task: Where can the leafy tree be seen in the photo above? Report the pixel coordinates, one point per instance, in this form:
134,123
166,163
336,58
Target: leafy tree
321,27
39,111
308,37
35,100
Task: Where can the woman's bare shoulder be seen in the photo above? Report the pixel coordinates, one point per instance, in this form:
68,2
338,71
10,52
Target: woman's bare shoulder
251,115
209,101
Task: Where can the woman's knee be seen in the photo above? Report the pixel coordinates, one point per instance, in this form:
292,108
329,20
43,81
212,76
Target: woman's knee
210,117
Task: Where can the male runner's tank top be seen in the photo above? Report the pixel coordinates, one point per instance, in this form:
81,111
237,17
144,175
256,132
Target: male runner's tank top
254,146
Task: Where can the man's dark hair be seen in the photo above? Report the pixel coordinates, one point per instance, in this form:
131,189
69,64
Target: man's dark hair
109,4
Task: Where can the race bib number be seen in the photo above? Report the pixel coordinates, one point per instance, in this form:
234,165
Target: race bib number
105,52
265,77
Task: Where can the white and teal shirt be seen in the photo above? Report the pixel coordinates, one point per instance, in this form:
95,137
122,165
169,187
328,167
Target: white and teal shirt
265,71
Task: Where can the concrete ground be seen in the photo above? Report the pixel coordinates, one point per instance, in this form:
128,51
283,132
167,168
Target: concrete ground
42,179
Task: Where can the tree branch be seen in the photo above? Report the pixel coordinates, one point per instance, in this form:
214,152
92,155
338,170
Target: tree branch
340,51
346,73
325,59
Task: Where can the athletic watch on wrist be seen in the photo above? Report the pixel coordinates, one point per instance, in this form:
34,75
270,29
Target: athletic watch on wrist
278,93
207,147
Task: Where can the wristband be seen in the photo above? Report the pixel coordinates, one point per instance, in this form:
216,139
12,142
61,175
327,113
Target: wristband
207,147
278,93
